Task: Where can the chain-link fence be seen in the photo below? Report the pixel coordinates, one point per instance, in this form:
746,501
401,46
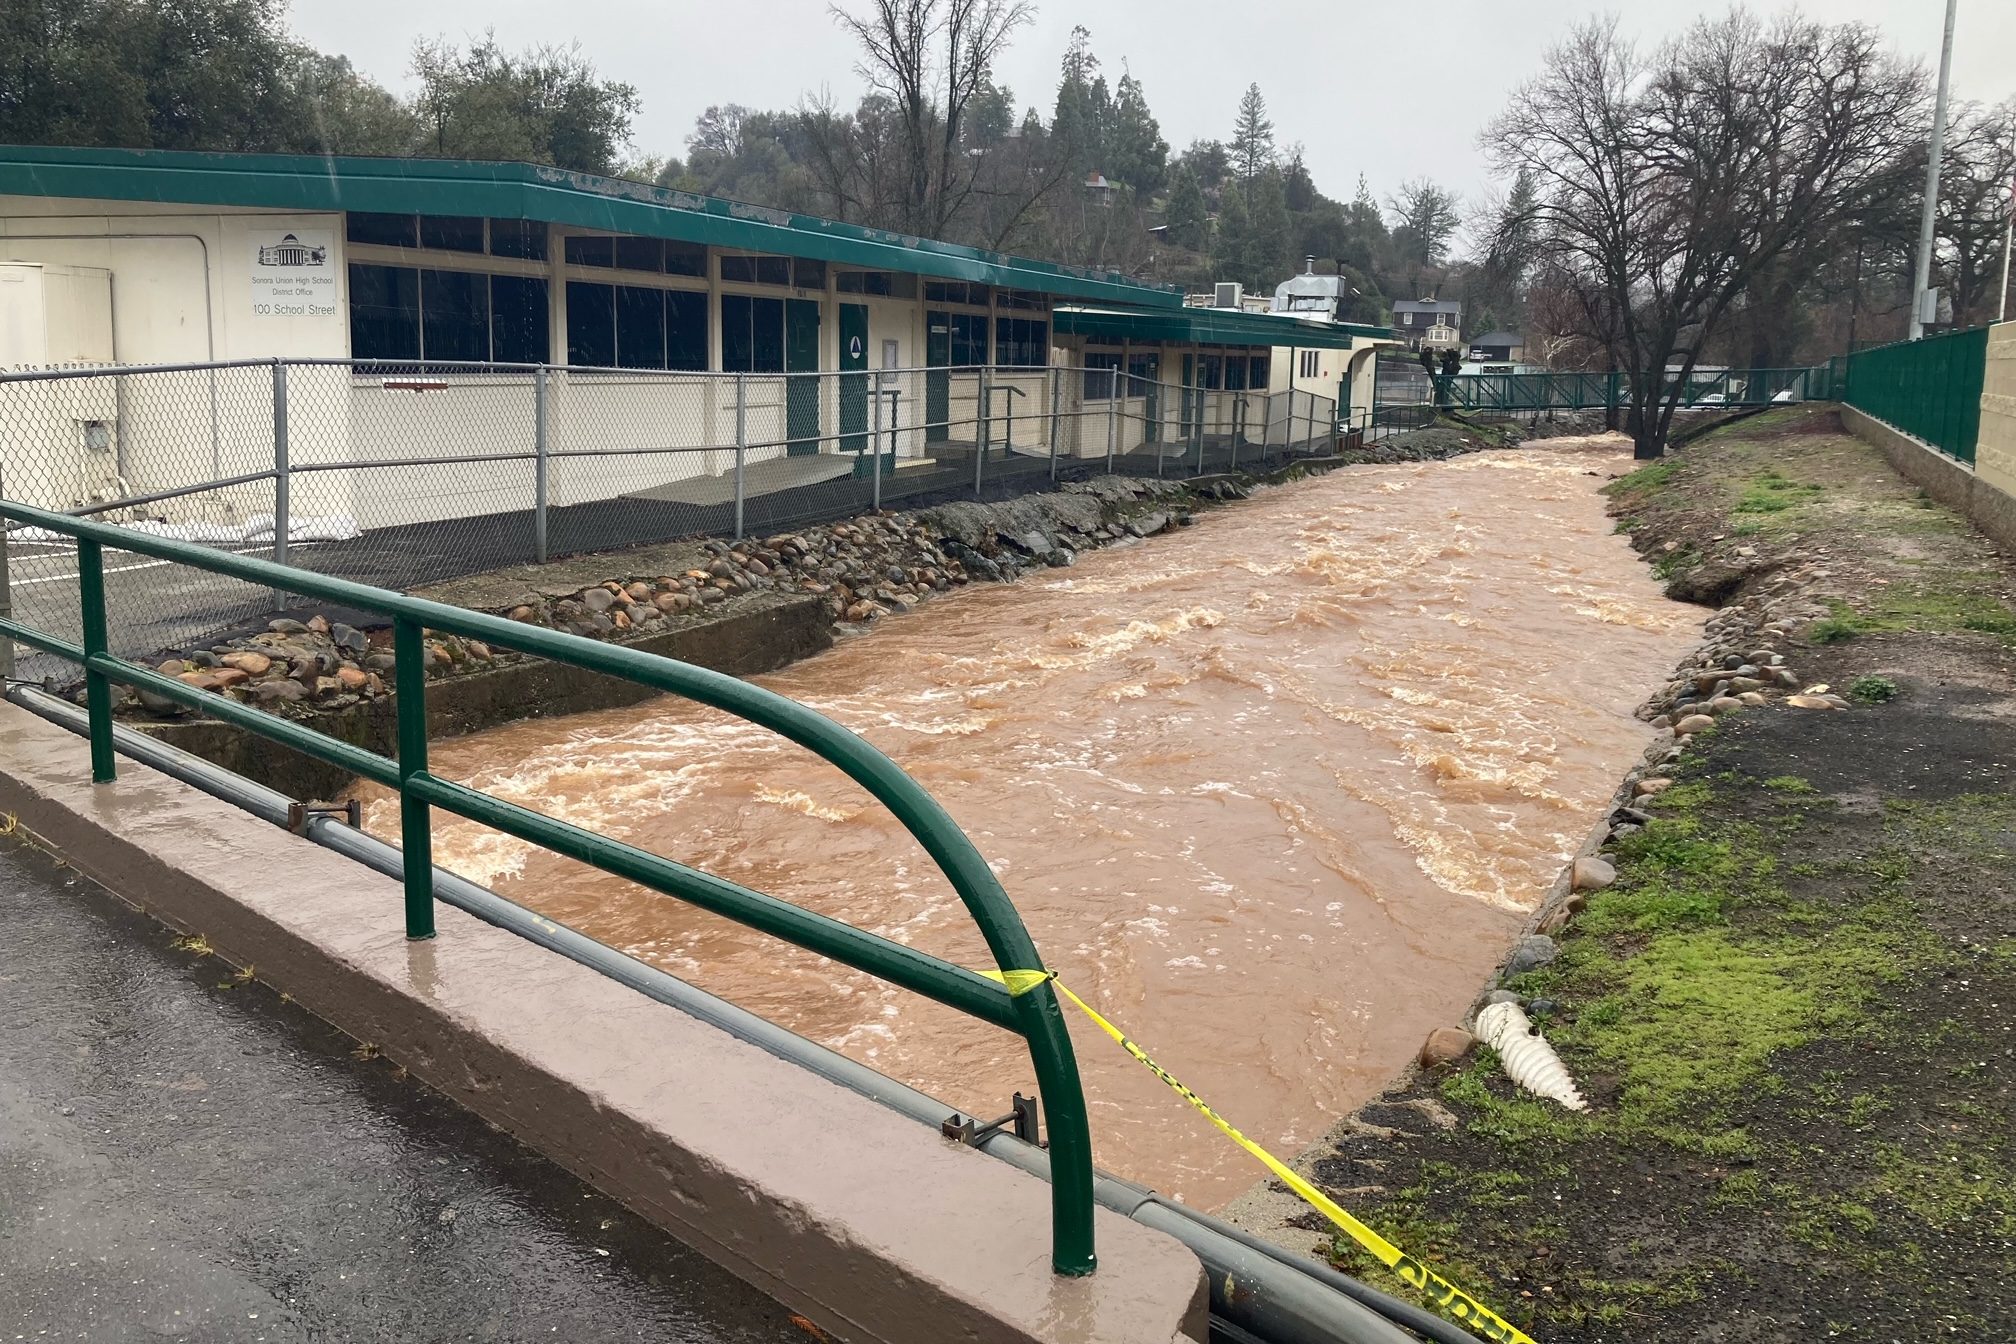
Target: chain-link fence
402,475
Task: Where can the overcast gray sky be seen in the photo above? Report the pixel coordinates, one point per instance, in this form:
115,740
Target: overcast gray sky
1392,90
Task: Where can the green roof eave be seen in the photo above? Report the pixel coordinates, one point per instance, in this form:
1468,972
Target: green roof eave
1212,326
529,191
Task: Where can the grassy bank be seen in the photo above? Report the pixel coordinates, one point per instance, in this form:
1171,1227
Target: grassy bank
1792,1011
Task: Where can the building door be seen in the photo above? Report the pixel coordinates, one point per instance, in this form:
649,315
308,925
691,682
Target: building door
937,381
853,377
1145,373
801,395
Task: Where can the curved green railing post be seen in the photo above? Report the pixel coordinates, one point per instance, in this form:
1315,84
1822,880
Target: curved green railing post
1035,1014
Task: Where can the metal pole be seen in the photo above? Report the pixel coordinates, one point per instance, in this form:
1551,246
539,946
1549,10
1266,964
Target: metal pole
541,445
982,429
1056,378
282,482
6,601
1923,271
1112,418
2008,235
97,688
416,823
1238,427
875,452
1159,400
741,443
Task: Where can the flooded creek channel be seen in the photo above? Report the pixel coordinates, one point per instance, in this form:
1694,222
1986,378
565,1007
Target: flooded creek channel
1273,792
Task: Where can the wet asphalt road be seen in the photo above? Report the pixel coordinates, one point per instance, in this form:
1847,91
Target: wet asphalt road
186,1158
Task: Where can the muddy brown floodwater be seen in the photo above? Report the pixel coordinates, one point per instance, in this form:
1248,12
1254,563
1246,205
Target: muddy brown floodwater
1273,792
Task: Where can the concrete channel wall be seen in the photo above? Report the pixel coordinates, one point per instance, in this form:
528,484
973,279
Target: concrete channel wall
872,1226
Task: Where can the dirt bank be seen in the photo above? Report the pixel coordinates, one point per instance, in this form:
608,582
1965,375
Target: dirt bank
1791,1011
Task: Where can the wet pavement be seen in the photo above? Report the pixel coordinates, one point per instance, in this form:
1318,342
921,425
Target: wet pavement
187,1157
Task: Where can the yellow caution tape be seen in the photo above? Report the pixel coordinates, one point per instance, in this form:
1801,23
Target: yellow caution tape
1459,1304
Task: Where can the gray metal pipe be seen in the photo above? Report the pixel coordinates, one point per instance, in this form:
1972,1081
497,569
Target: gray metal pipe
1263,1289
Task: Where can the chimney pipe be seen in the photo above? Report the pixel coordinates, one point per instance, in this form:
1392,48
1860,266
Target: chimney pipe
1309,264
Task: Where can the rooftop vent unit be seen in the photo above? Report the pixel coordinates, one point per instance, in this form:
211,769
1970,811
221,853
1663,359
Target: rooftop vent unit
1226,295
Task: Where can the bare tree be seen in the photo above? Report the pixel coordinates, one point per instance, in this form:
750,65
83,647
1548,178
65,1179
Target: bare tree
1665,185
931,58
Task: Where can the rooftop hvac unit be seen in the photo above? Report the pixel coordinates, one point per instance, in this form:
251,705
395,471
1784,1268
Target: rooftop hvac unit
1227,295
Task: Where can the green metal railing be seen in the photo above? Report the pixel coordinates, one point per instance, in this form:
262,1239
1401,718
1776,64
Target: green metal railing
1033,1014
1592,391
1928,388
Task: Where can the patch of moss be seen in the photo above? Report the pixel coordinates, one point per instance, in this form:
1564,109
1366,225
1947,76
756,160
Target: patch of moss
1772,492
1789,784
1872,690
1644,480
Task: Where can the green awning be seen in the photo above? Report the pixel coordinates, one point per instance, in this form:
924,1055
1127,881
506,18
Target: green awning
1211,326
528,191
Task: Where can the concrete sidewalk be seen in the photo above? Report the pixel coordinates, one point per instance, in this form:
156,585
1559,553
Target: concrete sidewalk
186,1157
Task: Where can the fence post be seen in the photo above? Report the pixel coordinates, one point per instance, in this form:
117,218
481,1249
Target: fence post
875,451
282,477
541,445
1056,378
6,598
1112,418
97,688
416,824
741,443
1238,427
1203,399
983,428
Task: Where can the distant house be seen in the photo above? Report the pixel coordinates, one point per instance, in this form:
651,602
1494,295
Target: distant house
1499,347
1434,324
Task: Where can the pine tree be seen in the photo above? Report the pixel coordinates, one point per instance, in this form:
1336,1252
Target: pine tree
1136,153
1188,216
1232,241
1269,234
1081,104
1252,137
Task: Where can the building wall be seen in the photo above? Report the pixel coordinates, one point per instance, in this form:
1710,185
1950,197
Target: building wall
1995,450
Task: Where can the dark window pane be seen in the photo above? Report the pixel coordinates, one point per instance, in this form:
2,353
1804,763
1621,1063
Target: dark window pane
685,329
969,340
640,328
685,259
1235,374
1101,372
766,321
455,316
1260,375
591,324
1142,370
518,329
1021,342
865,282
386,230
808,274
518,238
384,312
591,251
738,349
757,270
452,233
640,254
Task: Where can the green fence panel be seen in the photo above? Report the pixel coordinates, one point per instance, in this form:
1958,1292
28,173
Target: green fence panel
1930,388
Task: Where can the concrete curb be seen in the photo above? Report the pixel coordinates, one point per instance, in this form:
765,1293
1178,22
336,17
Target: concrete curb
867,1223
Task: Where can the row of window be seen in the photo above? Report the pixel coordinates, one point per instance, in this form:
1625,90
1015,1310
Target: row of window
1232,373
527,240
405,313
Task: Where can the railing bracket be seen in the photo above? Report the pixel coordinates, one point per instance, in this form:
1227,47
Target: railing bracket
298,814
963,1129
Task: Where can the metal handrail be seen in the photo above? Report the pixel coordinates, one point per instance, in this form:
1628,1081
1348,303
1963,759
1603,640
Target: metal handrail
1034,1014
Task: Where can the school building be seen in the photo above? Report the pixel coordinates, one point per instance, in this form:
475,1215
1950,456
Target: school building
674,327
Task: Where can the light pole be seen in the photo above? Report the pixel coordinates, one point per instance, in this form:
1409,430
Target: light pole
1931,210
2008,227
